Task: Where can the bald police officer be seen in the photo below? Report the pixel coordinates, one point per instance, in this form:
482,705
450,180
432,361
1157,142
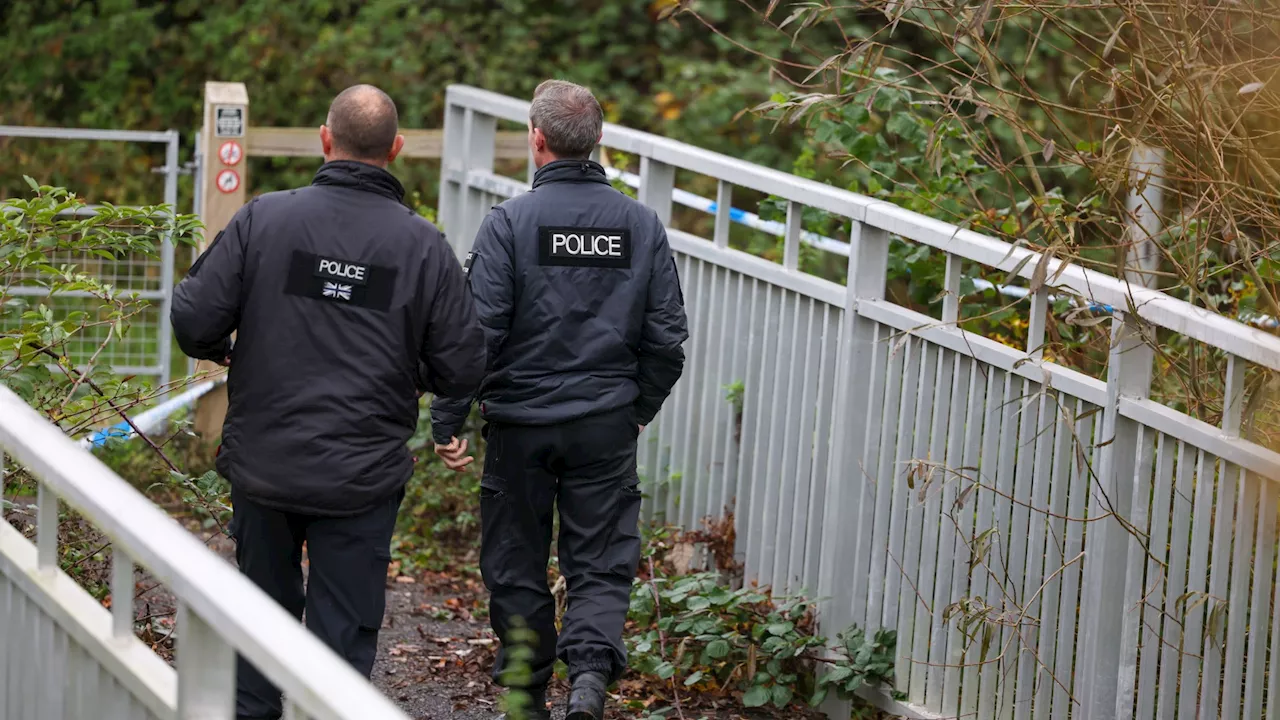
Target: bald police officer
346,307
576,287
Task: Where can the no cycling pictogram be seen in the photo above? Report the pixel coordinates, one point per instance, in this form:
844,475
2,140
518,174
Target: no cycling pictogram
228,181
230,152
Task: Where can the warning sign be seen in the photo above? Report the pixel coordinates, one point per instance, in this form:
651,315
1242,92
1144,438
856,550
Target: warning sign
228,181
228,122
230,152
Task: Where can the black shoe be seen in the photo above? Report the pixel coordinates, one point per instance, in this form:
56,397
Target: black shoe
586,699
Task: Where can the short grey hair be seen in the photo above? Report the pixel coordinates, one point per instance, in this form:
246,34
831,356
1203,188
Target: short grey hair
569,116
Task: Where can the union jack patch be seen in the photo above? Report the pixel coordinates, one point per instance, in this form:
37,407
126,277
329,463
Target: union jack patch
337,291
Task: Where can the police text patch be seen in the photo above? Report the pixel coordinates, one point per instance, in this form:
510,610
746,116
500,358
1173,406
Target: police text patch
341,271
340,281
584,247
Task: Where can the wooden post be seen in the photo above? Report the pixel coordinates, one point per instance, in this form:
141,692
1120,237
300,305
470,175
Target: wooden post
222,193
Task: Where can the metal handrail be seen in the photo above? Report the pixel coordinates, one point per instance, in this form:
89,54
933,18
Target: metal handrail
1099,288
240,614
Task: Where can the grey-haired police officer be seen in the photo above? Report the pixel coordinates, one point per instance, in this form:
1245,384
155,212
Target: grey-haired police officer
348,306
577,291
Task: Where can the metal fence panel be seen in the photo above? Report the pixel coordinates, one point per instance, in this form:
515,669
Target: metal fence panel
147,350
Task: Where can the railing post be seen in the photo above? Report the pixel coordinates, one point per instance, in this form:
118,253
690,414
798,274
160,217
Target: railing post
480,132
206,670
1102,609
847,512
791,238
657,182
46,529
121,594
452,173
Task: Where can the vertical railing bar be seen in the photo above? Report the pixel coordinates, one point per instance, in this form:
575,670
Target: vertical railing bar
951,286
1036,323
801,460
883,480
121,593
1083,450
709,433
1036,550
1181,513
1157,562
820,484
724,208
1260,605
1055,546
1134,589
1233,398
1197,572
907,545
997,380
1230,485
784,482
1242,568
737,365
696,350
206,670
927,528
1001,508
791,240
46,528
752,405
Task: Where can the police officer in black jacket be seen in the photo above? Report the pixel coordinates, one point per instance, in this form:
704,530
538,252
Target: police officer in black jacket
346,306
577,291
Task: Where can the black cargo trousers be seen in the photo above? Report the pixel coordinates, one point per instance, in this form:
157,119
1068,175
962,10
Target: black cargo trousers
586,468
345,595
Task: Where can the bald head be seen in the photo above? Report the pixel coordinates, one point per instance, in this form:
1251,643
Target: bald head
362,125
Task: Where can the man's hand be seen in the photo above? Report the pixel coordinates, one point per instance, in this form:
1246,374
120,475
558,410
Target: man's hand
641,428
455,454
224,362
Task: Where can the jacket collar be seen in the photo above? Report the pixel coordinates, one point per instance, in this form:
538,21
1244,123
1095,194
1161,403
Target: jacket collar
360,176
570,171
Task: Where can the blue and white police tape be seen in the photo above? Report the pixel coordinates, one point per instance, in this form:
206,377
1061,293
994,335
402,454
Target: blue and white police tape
152,418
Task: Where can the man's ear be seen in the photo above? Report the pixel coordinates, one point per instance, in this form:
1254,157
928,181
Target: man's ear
539,140
326,141
396,147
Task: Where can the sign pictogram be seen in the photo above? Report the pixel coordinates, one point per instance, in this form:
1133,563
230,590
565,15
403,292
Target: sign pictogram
228,122
230,152
228,181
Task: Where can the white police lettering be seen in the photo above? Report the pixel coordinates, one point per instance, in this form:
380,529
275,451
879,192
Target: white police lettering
586,244
351,271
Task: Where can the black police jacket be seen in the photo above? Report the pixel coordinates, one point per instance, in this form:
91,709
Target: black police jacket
577,290
346,304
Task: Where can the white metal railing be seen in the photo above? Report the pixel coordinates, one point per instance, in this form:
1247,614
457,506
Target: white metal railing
62,655
1120,552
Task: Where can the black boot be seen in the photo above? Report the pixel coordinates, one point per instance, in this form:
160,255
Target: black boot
586,699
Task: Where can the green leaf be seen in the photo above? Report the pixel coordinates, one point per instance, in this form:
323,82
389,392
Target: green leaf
781,628
782,695
718,649
757,696
693,679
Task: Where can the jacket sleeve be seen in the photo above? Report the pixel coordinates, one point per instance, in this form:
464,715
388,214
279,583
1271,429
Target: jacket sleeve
661,356
451,361
491,276
206,304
